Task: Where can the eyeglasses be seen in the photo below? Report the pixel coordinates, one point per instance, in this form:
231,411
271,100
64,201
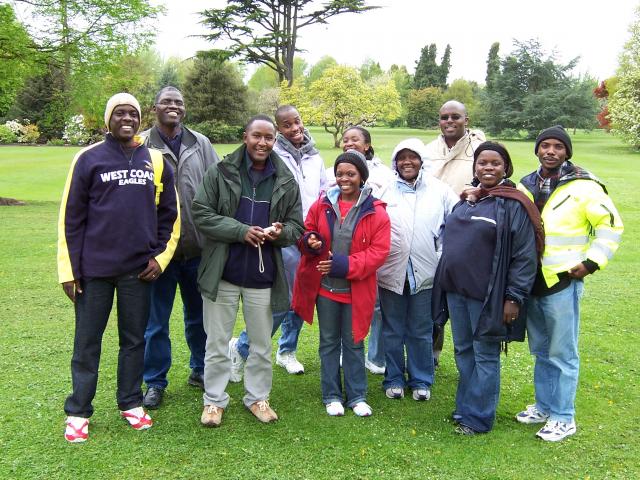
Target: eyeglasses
454,116
166,102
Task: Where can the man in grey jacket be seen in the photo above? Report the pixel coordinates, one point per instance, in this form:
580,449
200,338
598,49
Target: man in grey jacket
190,154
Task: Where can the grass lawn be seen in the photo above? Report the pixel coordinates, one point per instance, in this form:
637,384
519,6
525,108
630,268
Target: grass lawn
403,439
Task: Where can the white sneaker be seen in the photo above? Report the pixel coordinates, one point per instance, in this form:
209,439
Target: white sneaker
237,362
532,415
335,409
555,431
362,409
289,362
373,368
421,394
394,392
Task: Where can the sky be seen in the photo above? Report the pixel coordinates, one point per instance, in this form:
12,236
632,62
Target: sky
396,33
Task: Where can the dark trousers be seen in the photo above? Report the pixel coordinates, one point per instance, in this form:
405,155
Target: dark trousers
92,308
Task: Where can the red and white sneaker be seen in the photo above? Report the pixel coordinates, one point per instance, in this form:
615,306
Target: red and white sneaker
77,429
137,418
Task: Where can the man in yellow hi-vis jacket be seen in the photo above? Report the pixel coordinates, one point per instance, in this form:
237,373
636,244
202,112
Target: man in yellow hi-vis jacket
582,232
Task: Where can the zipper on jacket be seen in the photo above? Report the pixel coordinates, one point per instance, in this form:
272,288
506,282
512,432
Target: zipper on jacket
611,218
564,200
246,251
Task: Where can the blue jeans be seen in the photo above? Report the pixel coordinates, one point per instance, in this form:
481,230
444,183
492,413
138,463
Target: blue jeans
375,345
407,323
552,326
92,308
290,322
334,320
478,365
157,353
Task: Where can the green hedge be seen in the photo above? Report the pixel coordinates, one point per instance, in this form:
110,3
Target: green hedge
218,132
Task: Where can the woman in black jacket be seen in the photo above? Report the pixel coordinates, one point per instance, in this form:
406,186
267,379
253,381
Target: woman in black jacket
487,268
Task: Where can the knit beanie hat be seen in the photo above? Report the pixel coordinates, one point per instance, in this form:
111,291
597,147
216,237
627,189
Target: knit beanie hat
557,132
500,150
355,158
120,99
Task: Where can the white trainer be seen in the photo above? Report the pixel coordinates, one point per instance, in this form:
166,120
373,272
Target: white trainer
362,409
555,431
237,362
335,409
532,415
373,368
289,362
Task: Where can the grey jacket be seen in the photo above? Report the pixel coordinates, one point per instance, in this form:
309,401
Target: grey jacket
196,155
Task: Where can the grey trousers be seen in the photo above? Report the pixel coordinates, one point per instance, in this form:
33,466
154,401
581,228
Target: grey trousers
219,318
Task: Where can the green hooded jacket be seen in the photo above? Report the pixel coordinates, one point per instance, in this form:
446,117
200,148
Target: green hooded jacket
214,208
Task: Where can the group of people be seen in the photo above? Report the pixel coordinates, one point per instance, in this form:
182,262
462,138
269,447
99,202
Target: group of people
388,253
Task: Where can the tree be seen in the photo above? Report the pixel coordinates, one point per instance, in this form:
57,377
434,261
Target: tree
16,55
370,69
428,72
265,78
527,71
84,36
423,106
624,104
426,68
316,71
340,99
444,67
403,82
493,66
469,93
266,32
215,92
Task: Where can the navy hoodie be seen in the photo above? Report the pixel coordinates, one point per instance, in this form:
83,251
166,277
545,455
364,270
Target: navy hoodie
109,223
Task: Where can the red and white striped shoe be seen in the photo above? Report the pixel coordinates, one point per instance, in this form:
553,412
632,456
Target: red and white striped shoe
77,429
137,418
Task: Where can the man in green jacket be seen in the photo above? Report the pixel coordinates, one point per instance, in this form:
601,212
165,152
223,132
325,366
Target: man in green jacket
247,208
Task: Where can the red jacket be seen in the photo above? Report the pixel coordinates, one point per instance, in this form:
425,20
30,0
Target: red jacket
369,250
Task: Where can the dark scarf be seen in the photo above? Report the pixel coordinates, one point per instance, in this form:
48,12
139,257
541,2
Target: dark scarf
506,189
308,146
545,186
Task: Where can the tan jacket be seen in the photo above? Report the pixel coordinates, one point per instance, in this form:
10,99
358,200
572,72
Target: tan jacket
453,166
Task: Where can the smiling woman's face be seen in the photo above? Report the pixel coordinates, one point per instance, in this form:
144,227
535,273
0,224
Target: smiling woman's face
490,168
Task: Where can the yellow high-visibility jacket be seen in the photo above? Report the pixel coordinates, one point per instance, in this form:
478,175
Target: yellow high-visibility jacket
580,222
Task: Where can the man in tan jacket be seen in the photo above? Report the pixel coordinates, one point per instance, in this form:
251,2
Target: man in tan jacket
450,156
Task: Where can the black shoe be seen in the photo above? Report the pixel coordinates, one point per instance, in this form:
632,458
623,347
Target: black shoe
196,379
153,398
456,417
463,429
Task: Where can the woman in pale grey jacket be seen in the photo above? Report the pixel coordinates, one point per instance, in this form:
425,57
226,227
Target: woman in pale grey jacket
417,205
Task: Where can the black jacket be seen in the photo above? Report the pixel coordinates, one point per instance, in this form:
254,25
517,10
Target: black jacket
513,272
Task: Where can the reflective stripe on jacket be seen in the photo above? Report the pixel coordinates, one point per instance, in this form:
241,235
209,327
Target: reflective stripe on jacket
580,222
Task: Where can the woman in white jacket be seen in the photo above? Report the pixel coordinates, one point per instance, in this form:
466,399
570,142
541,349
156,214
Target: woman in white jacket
417,204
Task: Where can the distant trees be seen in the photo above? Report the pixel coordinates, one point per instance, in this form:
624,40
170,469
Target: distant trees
340,98
624,104
531,91
428,72
214,91
266,32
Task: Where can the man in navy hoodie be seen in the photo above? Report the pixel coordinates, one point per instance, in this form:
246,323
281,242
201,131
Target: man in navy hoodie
117,230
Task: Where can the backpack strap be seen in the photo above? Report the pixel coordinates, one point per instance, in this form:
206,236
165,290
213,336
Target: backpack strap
158,166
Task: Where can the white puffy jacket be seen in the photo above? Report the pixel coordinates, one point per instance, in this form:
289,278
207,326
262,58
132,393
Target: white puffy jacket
417,215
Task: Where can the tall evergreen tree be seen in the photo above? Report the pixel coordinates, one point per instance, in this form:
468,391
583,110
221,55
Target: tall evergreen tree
444,67
426,68
493,66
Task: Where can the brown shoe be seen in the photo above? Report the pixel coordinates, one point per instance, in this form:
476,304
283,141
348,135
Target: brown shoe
211,416
263,411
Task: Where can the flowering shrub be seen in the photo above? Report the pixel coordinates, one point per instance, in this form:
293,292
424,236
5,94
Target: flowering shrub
7,135
22,132
75,131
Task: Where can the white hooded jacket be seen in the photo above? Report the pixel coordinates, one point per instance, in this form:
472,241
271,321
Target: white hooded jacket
417,215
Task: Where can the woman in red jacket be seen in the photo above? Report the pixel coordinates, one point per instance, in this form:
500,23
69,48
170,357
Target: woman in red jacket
346,239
